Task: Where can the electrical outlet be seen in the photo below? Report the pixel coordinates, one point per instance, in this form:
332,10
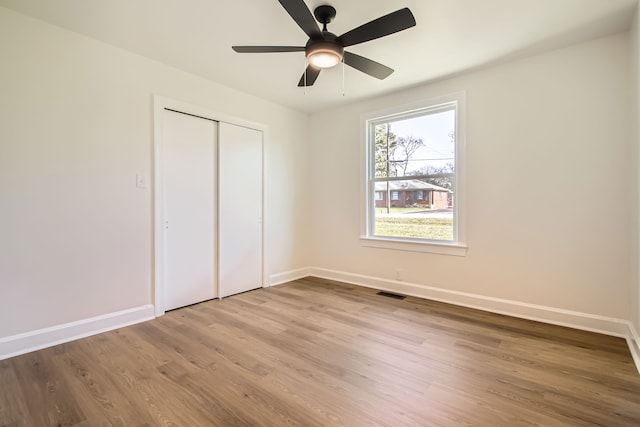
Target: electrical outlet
398,274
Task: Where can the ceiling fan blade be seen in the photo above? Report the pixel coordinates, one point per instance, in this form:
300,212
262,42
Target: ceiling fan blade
367,66
312,74
300,13
383,26
267,49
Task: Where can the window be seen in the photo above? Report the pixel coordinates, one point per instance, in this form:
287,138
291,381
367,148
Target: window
415,155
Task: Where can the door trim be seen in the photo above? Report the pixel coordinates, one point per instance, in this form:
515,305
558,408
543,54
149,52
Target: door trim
160,103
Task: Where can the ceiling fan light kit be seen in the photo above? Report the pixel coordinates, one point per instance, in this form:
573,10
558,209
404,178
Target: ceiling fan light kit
325,50
324,54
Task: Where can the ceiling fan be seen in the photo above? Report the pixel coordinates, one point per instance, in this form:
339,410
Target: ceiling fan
325,49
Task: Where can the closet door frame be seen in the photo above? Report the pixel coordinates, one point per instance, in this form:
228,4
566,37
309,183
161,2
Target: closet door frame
161,103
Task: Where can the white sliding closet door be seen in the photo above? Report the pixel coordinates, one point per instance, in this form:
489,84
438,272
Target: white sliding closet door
239,209
188,208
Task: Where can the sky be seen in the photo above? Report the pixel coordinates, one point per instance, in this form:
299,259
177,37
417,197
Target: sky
434,129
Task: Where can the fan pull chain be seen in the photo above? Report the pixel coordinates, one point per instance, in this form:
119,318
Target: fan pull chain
343,66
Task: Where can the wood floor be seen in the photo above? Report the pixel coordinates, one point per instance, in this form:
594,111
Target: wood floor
319,353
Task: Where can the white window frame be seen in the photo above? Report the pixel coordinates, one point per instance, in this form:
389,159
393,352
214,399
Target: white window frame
456,247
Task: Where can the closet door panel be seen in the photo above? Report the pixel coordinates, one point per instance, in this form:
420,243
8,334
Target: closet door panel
239,209
188,209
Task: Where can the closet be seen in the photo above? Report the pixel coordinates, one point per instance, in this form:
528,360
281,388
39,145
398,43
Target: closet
209,208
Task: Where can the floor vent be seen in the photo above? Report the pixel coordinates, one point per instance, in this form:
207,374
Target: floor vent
390,295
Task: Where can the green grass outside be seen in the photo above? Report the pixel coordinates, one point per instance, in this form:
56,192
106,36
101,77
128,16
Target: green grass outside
419,228
401,210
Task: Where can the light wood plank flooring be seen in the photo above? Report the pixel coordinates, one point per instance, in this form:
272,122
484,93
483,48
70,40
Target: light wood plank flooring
320,353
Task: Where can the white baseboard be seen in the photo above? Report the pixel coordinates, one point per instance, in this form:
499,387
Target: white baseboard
288,276
15,345
633,340
556,316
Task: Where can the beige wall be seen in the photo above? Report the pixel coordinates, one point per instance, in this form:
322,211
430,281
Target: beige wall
634,36
554,128
75,127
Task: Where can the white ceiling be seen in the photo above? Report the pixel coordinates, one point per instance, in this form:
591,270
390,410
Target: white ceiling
450,36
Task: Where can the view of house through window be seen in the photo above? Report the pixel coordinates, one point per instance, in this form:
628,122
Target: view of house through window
412,173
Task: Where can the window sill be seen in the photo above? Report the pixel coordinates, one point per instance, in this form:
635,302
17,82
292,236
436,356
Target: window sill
455,249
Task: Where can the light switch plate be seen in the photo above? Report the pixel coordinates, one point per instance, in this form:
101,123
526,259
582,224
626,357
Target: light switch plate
141,180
